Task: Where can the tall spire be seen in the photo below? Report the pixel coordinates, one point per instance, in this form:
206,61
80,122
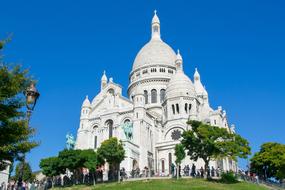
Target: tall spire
104,80
155,27
179,61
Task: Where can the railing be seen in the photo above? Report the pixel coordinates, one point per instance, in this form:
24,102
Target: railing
256,180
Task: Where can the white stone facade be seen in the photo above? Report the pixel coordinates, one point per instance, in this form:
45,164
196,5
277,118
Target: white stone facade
150,121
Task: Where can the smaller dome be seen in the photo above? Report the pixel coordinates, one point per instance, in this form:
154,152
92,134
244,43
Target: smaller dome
200,90
86,102
180,85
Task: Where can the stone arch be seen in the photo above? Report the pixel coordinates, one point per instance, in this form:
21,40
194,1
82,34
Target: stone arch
111,91
110,125
171,129
94,126
125,118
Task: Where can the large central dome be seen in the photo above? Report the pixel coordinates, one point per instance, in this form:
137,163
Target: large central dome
155,51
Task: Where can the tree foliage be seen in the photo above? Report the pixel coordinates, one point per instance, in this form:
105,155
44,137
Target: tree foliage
23,169
89,158
90,161
14,132
209,142
70,159
269,161
179,153
112,151
51,167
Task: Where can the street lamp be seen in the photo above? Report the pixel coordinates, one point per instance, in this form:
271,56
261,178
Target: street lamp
32,95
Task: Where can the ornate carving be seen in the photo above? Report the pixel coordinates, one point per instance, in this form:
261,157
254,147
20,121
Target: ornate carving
176,134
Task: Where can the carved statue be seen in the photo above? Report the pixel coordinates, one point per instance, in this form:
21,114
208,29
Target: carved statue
70,141
128,130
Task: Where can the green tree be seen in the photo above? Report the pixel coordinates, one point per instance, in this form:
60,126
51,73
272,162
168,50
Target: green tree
112,151
51,167
23,169
14,132
71,160
180,155
209,142
90,161
269,161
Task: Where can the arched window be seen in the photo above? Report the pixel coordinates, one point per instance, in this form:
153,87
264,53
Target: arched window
190,106
162,95
153,96
162,166
111,91
155,29
95,142
177,108
109,124
173,109
145,96
127,121
186,107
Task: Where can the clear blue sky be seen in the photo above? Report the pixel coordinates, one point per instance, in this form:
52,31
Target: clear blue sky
238,47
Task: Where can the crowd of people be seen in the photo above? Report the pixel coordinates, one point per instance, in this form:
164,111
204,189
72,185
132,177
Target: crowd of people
187,171
36,185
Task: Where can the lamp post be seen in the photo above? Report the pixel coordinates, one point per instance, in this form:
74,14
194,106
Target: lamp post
32,95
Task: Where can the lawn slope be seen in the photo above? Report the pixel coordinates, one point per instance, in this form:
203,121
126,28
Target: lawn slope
171,184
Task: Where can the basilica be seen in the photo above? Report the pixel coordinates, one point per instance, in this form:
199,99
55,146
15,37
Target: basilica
150,121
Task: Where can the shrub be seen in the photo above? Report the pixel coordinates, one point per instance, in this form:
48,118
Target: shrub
228,177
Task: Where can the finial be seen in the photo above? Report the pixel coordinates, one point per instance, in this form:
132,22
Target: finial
178,56
104,72
155,11
196,74
86,97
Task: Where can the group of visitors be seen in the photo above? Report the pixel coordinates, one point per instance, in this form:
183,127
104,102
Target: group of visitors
12,185
201,172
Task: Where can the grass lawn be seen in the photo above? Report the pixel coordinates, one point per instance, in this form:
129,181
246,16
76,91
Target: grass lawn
171,184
